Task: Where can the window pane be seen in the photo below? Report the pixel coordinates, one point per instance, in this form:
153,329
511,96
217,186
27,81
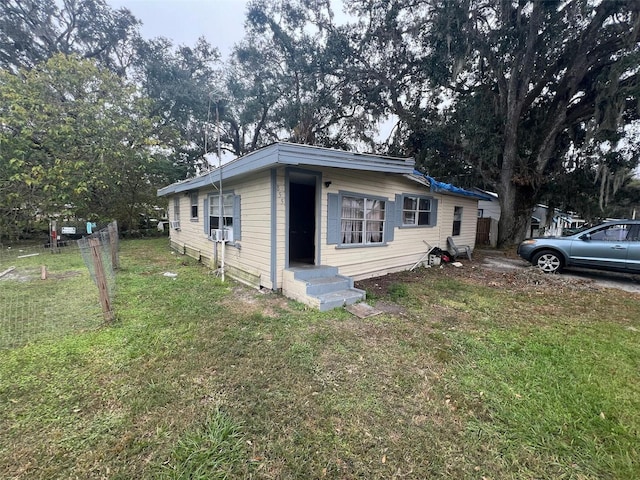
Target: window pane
409,218
425,204
375,209
423,218
374,232
615,233
409,203
352,231
352,207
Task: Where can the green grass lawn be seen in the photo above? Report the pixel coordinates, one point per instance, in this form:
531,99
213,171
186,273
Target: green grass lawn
199,379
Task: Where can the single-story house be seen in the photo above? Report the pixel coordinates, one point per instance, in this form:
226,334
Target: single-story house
308,221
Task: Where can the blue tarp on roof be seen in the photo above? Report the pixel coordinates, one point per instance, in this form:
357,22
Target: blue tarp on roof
442,187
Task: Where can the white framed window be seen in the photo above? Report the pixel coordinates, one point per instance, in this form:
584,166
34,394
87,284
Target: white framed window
175,223
362,220
227,210
457,221
416,210
194,205
231,217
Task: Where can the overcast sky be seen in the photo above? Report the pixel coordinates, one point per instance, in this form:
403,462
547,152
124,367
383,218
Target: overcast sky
221,22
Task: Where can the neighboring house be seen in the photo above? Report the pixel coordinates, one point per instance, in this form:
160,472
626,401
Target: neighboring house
308,220
545,223
541,222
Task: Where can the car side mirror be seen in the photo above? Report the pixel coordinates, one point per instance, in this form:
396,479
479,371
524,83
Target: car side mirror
586,236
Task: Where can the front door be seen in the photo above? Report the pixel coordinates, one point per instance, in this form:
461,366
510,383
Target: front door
302,219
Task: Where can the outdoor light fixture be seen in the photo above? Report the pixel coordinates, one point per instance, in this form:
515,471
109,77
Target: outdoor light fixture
327,183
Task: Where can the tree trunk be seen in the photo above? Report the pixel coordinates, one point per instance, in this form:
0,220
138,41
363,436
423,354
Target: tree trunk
516,208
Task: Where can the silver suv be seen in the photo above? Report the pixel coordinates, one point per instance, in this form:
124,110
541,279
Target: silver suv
609,246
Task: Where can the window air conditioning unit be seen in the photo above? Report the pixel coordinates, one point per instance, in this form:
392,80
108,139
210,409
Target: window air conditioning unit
222,235
228,234
175,225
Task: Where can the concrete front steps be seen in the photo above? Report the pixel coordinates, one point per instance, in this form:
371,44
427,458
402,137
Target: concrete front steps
320,287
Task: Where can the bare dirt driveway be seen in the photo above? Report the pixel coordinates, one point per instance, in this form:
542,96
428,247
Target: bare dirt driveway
501,262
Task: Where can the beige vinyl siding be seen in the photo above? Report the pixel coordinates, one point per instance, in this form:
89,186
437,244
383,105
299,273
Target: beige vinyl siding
252,261
254,255
408,246
281,222
490,208
469,220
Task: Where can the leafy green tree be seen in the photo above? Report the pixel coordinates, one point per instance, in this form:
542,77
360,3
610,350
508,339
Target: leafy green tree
288,81
75,139
31,31
503,89
181,83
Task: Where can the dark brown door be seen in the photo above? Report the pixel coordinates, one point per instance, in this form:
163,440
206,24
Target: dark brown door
483,230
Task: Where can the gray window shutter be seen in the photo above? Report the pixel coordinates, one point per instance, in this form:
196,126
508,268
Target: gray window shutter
398,211
434,212
389,221
333,218
205,213
236,218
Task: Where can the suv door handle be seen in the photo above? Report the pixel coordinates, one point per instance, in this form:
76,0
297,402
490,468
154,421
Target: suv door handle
619,247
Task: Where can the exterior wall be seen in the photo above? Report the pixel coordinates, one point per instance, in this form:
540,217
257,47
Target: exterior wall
469,220
252,259
247,259
408,245
280,222
490,208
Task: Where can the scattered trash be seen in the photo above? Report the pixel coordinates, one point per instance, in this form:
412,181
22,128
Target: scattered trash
29,255
8,270
170,274
456,264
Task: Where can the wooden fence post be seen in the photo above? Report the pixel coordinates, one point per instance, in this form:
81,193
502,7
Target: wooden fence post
101,279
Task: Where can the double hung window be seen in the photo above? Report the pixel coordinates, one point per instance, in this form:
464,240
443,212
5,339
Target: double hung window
457,221
175,223
416,210
194,205
227,211
362,220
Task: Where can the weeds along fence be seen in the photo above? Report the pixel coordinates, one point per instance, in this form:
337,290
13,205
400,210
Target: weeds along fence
45,293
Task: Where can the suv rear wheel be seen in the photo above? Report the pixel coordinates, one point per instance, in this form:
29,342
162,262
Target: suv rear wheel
548,261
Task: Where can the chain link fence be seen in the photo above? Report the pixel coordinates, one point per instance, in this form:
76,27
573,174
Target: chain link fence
46,294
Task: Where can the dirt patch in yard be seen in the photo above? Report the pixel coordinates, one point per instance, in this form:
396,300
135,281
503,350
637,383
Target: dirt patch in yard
488,268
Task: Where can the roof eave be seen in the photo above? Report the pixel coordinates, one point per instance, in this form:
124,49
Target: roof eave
293,154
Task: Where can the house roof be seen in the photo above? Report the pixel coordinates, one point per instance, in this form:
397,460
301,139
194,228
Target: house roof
490,196
282,153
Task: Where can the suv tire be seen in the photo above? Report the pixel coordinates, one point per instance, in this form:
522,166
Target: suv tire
548,261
